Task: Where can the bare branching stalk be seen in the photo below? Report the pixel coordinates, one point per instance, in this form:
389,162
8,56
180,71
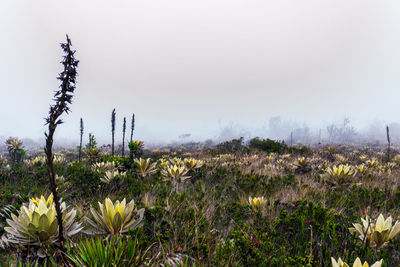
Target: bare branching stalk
388,139
80,143
62,98
123,137
112,131
132,126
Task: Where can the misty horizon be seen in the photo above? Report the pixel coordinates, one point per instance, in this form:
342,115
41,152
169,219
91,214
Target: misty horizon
277,128
211,69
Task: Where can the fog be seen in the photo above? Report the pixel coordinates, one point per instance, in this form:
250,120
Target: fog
214,69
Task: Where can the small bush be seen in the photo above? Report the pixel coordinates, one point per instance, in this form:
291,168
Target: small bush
268,145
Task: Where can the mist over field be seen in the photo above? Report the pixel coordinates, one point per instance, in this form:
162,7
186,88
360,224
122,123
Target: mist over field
212,69
199,133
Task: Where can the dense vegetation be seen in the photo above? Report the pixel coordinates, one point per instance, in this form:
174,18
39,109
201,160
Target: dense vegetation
207,207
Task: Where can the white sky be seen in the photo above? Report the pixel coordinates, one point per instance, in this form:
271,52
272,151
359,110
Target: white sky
181,66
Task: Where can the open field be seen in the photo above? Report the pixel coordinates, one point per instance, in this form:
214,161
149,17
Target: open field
263,204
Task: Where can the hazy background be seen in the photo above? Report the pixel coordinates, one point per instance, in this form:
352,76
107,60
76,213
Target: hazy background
202,67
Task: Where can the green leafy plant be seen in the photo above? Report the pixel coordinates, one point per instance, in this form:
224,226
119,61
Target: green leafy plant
114,252
135,148
357,263
36,223
114,218
111,176
257,202
145,167
15,149
339,175
192,163
268,145
377,232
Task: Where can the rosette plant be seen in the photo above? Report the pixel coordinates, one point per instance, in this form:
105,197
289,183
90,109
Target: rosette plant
192,163
339,175
357,263
111,176
36,224
114,218
376,232
175,172
257,202
145,167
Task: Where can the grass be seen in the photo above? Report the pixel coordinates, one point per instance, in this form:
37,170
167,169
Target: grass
208,221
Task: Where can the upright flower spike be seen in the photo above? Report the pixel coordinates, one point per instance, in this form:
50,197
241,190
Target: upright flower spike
62,98
132,126
80,140
112,131
123,137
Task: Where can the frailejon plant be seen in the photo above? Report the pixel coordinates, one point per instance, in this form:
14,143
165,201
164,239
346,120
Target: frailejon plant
145,167
40,160
257,202
175,172
103,166
339,175
377,232
114,218
176,161
15,150
302,165
192,163
357,263
36,223
111,176
5,213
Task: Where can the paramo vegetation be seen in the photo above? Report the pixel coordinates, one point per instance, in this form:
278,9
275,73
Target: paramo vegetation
205,206
260,203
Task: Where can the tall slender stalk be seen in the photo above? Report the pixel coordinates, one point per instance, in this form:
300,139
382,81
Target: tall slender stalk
132,125
388,139
123,137
62,98
112,131
80,143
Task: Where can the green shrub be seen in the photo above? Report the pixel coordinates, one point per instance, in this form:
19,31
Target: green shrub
233,146
84,180
268,145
